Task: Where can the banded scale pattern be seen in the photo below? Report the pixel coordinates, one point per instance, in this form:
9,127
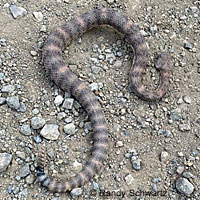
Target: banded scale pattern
68,81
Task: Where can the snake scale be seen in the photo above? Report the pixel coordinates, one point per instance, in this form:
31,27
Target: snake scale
68,81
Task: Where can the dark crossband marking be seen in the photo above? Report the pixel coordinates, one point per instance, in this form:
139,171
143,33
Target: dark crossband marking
67,80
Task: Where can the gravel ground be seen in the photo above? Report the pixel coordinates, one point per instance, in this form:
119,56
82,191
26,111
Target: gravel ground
154,147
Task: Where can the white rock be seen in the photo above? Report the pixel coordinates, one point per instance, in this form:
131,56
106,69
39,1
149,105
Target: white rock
129,179
50,132
5,159
58,100
38,16
69,129
164,156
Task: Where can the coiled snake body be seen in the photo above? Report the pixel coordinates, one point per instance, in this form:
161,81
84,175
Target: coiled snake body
68,81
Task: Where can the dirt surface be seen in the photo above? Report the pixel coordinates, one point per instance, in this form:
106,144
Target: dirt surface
154,146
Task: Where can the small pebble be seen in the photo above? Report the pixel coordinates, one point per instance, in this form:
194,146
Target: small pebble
187,99
21,155
95,186
25,129
136,164
73,68
76,192
61,115
25,171
30,179
3,44
35,111
17,11
58,100
33,53
2,100
94,86
164,156
184,127
175,115
13,102
38,16
129,179
50,132
37,139
2,76
110,1
43,28
188,175
95,69
184,186
77,166
8,88
119,144
37,122
68,103
166,133
69,129
68,119
5,160
180,169
22,107
187,45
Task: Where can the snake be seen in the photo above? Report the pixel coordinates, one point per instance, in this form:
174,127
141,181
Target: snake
63,77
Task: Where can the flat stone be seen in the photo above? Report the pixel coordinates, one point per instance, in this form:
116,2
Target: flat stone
50,132
188,175
17,11
5,160
184,186
25,171
68,103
